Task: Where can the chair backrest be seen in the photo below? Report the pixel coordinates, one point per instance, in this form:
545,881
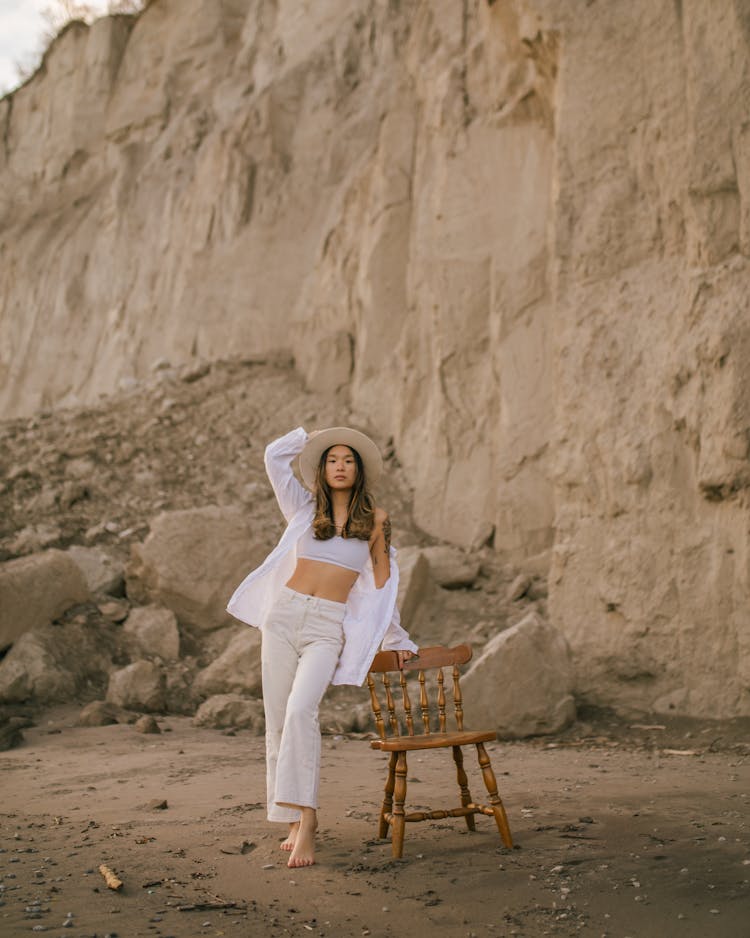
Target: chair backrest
434,658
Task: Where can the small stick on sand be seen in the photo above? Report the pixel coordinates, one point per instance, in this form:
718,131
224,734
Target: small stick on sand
110,879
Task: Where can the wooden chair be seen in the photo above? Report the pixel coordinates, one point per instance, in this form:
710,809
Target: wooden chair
397,744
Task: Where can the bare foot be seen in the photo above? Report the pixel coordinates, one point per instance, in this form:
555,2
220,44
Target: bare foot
288,844
303,851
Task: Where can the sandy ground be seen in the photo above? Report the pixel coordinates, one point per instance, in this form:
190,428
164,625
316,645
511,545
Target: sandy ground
612,838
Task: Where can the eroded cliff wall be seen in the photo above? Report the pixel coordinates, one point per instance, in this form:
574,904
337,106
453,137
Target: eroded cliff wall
516,234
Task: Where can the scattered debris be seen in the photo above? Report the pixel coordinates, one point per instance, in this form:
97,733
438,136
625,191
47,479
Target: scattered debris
110,878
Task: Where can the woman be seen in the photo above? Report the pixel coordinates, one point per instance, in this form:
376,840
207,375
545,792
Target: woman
325,600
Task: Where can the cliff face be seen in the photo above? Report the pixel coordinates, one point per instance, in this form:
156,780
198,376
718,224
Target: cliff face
515,234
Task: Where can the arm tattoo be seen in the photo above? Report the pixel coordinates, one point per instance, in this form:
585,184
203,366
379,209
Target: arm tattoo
387,534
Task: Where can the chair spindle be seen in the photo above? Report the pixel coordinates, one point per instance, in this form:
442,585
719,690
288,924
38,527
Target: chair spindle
441,700
375,703
407,705
391,704
424,704
457,698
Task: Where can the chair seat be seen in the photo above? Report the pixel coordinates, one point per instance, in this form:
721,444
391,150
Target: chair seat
433,741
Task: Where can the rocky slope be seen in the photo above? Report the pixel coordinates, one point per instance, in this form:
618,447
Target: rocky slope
158,494
514,236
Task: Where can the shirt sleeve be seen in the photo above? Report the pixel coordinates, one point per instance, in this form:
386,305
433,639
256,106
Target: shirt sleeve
290,494
396,637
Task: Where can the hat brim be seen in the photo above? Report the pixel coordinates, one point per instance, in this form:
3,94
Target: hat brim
319,442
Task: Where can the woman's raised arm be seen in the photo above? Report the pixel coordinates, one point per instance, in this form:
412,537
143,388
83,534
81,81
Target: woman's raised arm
290,494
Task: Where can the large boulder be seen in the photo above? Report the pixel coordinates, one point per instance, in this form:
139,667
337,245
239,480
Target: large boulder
191,562
155,631
522,683
52,664
450,567
237,670
223,711
139,686
101,713
102,572
35,590
415,582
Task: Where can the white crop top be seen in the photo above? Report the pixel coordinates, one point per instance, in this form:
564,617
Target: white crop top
348,552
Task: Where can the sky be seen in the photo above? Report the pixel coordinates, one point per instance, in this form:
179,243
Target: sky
21,26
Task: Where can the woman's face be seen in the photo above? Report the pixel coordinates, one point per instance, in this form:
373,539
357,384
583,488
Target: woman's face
341,468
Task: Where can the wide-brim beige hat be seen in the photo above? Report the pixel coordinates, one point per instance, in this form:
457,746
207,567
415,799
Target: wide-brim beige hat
320,440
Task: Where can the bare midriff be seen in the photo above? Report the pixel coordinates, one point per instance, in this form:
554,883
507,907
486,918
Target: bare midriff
326,580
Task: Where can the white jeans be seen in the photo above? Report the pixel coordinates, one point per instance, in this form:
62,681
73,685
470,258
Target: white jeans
302,640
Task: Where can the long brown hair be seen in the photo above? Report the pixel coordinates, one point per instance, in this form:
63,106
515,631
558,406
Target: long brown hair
360,518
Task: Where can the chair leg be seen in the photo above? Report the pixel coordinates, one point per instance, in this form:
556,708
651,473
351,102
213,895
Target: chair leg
463,784
398,824
388,797
491,784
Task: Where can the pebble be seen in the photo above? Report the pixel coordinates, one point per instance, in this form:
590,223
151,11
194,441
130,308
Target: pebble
158,804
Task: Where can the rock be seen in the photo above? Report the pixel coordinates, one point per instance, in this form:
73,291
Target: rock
102,572
519,587
139,686
191,562
116,610
194,373
237,670
214,644
10,733
231,710
102,713
154,628
241,849
53,664
157,804
146,724
522,683
80,468
450,567
181,692
73,492
415,582
44,501
337,715
34,538
36,590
